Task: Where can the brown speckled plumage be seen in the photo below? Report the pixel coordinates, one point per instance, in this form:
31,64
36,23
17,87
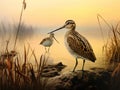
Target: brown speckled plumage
76,44
80,45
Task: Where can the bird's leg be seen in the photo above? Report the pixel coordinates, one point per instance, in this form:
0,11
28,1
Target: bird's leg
83,68
83,65
48,49
45,50
75,65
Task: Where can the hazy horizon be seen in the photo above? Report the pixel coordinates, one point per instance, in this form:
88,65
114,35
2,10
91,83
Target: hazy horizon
47,15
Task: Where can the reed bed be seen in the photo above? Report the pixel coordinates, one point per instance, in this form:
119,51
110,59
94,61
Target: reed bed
111,48
16,70
15,75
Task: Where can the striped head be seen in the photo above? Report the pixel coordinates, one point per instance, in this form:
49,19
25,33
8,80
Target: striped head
69,24
51,35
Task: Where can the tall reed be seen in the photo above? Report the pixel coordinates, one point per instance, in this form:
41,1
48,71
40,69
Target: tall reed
112,47
22,76
20,20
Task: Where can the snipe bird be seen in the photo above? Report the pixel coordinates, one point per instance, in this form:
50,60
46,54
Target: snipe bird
77,44
48,41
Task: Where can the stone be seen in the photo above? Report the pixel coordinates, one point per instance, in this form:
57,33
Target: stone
99,80
52,70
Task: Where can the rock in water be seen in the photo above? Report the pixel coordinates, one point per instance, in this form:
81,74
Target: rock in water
53,70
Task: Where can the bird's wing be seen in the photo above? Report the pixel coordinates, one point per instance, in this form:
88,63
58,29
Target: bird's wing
80,45
44,40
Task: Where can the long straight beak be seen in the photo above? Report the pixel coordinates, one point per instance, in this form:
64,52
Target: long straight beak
57,29
56,39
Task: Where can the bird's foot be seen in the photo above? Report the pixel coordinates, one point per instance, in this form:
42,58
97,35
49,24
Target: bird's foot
82,74
72,71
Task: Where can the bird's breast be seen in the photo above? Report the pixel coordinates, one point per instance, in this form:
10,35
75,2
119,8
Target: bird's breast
47,43
70,50
78,46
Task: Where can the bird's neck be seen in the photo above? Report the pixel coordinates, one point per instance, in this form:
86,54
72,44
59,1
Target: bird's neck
73,28
51,37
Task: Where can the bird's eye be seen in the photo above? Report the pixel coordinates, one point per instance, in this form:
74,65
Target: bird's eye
68,22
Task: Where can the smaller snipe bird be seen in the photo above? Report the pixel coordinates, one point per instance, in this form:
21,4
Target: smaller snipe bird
48,41
77,44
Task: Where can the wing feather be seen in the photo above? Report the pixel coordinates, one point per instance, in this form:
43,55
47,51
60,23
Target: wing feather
80,45
45,39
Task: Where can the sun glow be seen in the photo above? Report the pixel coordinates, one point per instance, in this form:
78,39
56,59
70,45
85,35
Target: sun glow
52,12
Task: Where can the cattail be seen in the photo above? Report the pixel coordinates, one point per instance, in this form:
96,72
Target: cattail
19,25
8,64
24,4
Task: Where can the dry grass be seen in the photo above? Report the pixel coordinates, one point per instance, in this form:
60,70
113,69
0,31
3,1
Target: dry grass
21,76
112,46
111,49
20,20
115,80
16,70
15,74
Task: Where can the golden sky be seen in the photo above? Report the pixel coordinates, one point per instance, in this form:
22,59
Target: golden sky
55,12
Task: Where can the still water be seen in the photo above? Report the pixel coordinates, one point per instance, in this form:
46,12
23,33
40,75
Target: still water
59,53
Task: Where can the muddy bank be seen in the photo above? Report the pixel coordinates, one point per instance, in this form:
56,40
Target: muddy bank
94,79
74,81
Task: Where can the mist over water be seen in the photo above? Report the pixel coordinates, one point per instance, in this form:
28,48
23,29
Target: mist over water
58,52
8,31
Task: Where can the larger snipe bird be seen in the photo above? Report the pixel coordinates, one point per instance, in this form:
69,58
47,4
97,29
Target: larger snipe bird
77,44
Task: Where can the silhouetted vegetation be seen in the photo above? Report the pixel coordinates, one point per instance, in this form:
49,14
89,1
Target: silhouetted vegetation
112,53
112,46
16,70
17,73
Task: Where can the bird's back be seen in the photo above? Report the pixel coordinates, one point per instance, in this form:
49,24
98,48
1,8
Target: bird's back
80,46
47,42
